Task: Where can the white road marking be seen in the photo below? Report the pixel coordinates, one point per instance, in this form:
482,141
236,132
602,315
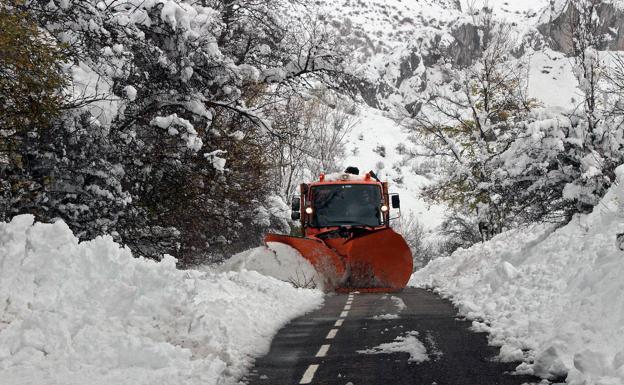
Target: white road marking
308,376
323,351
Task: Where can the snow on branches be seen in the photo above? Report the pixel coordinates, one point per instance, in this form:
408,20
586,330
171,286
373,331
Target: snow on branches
158,135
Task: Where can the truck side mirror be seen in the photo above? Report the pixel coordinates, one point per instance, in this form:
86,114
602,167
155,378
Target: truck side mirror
396,201
295,204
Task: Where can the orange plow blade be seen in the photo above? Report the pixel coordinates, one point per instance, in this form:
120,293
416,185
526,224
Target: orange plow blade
378,261
375,261
325,260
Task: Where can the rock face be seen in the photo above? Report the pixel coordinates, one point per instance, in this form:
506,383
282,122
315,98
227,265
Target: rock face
459,42
559,33
408,67
467,45
373,94
463,51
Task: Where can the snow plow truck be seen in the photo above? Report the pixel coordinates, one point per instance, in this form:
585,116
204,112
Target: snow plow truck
345,221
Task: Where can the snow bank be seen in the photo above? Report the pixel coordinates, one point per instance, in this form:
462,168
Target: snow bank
278,260
90,313
552,298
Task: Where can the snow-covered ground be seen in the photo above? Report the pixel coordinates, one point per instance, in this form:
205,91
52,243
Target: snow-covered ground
553,298
409,343
90,313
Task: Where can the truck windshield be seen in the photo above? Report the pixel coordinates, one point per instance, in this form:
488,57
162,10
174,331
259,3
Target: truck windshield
346,204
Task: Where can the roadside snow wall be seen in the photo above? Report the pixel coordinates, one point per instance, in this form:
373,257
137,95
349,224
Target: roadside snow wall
90,313
554,299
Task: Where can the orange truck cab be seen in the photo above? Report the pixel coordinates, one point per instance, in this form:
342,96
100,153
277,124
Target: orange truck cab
345,219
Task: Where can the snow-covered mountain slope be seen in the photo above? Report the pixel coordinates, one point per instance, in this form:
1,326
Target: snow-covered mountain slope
90,313
377,143
387,24
551,80
394,22
550,297
401,47
397,45
395,42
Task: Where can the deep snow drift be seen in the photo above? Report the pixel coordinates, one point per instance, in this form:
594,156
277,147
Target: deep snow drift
554,298
90,313
279,261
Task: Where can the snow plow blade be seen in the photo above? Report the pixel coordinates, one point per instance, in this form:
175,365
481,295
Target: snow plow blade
377,261
326,261
374,261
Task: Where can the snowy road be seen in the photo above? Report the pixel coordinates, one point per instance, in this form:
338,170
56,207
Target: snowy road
411,337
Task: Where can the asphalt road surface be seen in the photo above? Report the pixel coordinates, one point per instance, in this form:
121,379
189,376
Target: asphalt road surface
322,346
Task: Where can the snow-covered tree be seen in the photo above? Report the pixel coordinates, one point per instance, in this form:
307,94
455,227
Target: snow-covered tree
470,118
597,149
508,160
566,162
56,161
310,133
159,140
